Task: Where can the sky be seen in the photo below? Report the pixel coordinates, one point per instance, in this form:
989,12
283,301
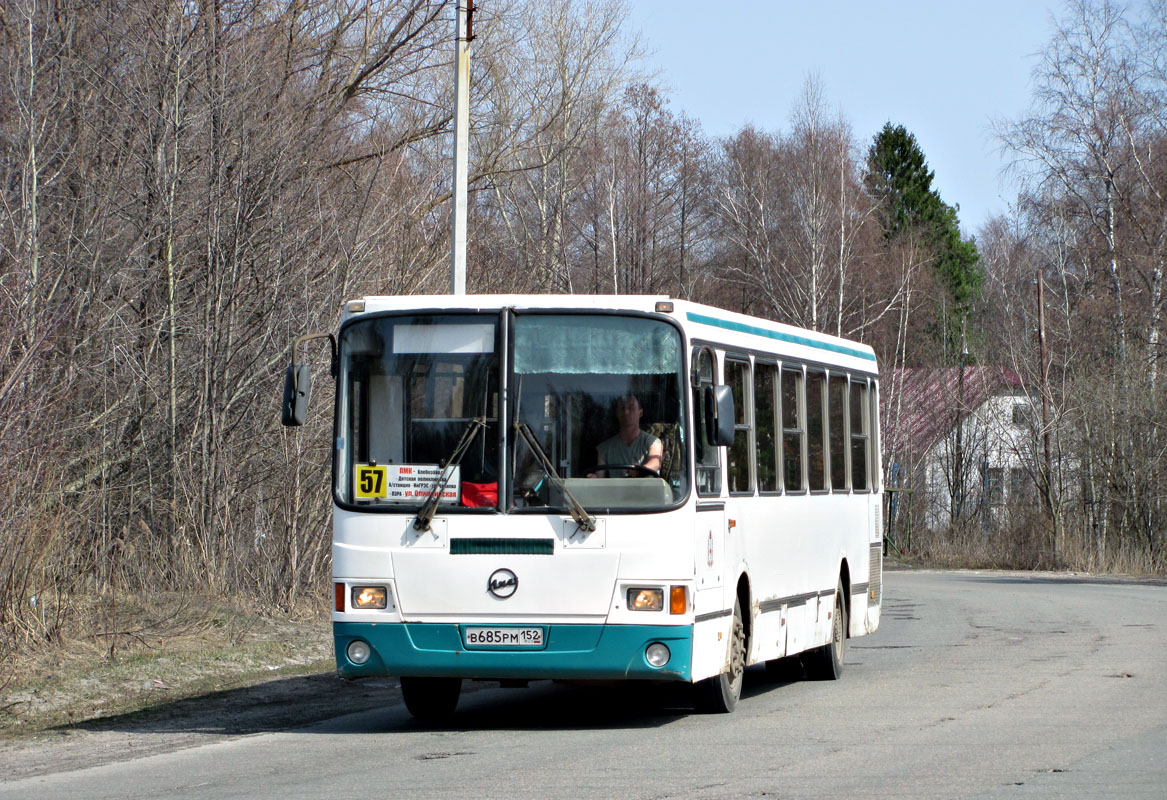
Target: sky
945,70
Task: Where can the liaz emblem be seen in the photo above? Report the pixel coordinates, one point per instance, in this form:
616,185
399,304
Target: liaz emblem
502,583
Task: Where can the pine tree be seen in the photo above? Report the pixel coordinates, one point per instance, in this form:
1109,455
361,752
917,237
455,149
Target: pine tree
899,179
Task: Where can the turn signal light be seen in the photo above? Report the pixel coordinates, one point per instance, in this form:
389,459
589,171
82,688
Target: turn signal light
339,604
678,600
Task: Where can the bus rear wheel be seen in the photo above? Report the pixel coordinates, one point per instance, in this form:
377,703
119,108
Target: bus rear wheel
826,663
431,699
719,694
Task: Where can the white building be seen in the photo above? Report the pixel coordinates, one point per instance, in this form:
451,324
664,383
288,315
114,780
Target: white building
963,442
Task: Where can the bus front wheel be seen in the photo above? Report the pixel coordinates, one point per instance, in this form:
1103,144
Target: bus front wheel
719,694
431,699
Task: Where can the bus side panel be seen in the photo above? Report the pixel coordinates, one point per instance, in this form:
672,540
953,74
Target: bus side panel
874,593
800,623
710,634
867,576
803,540
769,633
768,531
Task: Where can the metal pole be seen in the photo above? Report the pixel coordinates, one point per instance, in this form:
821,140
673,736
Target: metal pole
461,147
957,503
1048,482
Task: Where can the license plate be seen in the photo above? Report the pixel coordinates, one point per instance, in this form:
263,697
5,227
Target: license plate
504,637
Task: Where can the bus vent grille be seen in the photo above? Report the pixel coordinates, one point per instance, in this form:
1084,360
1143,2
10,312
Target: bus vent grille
502,547
875,580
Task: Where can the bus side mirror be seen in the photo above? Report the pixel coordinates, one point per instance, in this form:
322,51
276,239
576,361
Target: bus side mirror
297,393
719,415
298,382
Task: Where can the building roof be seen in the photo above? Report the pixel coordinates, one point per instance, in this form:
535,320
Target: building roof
924,403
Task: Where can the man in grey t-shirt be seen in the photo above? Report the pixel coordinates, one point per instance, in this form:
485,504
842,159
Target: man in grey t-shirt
630,445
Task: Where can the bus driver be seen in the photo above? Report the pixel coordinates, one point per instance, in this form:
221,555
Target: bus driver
630,445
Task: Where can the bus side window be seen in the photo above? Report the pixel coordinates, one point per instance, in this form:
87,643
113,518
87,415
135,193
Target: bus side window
708,461
741,452
860,435
793,430
765,416
873,427
816,429
837,426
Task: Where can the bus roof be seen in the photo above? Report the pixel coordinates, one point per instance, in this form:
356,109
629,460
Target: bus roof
703,322
488,302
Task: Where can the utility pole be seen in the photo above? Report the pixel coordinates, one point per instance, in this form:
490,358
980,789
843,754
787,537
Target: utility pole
957,501
1047,490
465,34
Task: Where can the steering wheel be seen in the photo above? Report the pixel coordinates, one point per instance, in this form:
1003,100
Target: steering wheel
650,472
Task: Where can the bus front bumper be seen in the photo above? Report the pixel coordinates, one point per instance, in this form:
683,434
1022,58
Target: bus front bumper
575,652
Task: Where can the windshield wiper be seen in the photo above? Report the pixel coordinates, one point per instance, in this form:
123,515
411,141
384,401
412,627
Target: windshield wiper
426,514
582,518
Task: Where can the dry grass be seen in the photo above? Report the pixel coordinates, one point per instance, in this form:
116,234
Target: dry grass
1027,545
128,653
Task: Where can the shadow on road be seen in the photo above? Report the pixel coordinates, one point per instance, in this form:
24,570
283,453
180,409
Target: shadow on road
324,703
556,706
276,705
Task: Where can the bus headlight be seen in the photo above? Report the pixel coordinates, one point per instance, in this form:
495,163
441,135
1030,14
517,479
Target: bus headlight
370,597
657,654
358,652
646,599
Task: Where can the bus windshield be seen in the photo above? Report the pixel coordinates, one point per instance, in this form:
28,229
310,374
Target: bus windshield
597,390
410,388
418,412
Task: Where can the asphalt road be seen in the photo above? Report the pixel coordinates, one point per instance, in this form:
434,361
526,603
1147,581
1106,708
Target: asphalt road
985,685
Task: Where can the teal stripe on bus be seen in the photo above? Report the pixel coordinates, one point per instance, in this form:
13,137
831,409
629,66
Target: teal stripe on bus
741,327
571,652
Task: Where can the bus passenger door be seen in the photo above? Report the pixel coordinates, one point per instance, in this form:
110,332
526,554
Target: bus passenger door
711,622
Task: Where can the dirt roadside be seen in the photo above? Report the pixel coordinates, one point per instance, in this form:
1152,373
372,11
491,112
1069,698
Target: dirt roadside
273,705
177,675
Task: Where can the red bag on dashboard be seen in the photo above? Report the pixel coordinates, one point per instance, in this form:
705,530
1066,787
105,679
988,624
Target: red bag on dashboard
479,494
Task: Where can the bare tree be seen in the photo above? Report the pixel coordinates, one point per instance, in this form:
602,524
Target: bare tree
1094,147
563,68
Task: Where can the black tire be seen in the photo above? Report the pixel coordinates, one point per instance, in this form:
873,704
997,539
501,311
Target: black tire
431,699
826,663
719,694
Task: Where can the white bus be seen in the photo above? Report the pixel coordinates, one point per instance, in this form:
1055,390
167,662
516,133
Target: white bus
478,533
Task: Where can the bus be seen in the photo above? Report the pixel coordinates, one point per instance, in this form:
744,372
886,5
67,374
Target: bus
478,534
